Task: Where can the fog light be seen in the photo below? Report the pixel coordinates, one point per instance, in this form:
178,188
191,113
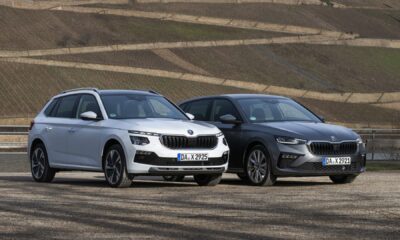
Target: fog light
289,156
287,159
143,153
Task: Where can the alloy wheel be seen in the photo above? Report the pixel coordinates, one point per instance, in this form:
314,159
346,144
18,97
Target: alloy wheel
257,166
113,167
38,163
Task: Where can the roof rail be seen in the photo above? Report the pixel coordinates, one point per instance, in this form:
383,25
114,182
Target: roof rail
80,89
152,91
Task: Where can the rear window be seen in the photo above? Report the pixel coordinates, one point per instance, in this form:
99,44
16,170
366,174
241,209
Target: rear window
66,107
49,112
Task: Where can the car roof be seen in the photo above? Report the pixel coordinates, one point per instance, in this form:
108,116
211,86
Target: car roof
116,91
237,96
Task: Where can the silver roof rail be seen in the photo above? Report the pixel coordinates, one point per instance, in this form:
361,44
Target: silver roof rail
154,92
81,89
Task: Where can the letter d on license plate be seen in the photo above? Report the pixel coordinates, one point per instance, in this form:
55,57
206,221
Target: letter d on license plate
192,157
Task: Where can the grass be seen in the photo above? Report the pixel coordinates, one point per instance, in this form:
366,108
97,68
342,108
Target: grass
25,29
383,165
313,67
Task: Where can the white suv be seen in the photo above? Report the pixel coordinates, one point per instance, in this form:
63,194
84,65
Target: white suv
123,134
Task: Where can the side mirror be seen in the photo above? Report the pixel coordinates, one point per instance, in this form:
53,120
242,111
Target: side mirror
89,116
321,118
190,116
229,119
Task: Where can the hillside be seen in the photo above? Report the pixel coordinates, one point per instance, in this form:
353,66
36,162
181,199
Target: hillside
309,54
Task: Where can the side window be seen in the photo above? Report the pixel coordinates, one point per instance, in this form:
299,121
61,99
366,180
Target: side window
50,110
88,103
66,107
224,107
200,109
184,107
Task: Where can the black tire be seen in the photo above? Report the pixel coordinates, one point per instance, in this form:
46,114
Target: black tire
257,168
40,168
115,170
174,178
243,177
343,179
208,179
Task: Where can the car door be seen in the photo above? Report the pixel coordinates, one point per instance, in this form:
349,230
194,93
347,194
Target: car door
84,135
56,131
233,132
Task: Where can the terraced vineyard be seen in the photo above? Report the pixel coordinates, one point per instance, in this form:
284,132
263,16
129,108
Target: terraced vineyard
341,60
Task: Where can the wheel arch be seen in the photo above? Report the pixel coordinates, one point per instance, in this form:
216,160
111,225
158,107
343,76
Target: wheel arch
252,144
34,143
110,142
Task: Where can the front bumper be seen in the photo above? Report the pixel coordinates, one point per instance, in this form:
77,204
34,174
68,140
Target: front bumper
307,164
156,159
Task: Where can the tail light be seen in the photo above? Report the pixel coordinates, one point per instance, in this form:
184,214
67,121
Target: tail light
31,125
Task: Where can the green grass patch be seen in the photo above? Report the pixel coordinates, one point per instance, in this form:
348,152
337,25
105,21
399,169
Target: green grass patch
383,165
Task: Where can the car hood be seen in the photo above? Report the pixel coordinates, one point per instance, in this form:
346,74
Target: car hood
167,126
310,131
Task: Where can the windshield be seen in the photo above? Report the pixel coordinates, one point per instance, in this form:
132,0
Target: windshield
275,110
133,106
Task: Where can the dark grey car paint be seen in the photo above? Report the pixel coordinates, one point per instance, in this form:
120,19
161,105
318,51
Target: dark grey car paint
241,136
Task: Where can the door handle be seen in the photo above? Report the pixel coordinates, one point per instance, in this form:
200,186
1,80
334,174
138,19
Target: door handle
71,130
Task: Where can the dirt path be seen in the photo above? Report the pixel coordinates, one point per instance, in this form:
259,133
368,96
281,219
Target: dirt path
371,98
171,57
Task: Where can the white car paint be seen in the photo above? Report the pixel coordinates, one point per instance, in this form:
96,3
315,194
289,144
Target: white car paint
78,144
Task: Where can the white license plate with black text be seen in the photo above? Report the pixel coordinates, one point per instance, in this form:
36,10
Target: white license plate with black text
334,161
192,157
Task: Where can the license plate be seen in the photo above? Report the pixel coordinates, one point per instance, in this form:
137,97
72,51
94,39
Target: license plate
329,161
192,157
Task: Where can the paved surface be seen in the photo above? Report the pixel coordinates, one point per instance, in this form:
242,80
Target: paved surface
14,162
81,205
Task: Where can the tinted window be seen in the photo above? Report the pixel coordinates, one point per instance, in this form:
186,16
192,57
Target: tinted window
272,110
66,107
50,108
200,109
88,103
131,106
223,107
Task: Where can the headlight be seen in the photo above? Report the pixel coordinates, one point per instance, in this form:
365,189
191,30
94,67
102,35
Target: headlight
290,140
136,140
220,134
144,133
359,140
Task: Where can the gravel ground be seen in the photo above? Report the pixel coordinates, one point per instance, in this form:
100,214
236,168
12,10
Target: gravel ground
81,205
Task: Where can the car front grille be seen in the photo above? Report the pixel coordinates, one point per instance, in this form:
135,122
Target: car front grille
182,142
327,148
